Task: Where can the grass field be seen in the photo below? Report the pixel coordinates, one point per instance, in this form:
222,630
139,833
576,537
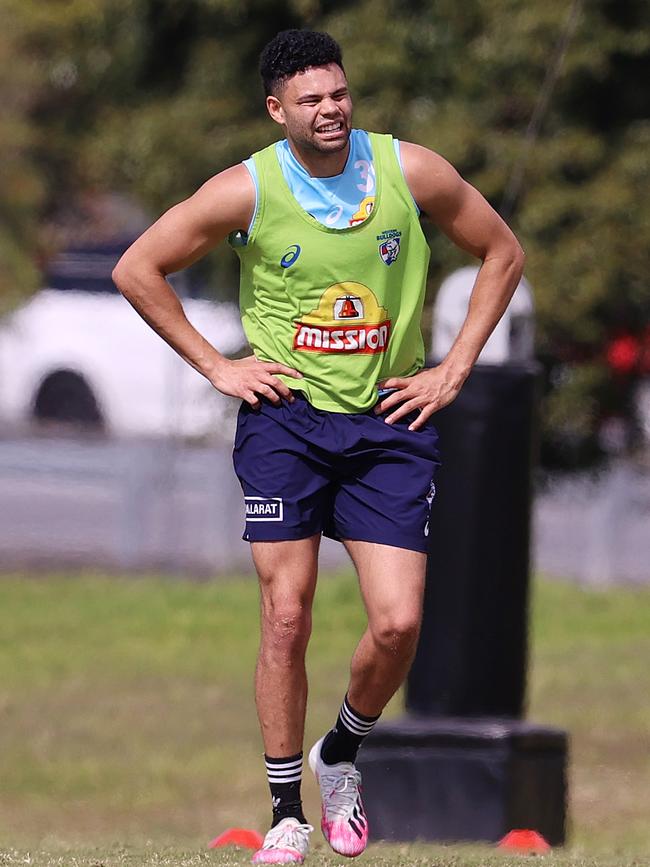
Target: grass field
127,718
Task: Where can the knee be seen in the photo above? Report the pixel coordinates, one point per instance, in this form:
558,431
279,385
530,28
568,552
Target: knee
286,627
397,634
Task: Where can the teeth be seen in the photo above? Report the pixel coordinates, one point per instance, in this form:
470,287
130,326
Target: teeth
331,127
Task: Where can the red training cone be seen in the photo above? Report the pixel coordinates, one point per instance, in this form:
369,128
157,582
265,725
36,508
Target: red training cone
243,837
524,841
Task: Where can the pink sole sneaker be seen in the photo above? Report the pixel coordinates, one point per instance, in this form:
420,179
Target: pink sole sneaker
344,823
287,843
277,856
343,838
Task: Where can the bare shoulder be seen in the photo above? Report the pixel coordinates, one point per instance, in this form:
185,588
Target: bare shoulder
188,230
454,205
226,200
433,181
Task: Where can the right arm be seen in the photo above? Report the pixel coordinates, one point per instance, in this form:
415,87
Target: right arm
182,235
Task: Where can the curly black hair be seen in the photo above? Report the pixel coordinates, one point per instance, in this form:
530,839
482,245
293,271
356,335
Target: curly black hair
293,51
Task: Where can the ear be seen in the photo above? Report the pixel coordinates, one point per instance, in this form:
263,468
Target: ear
274,108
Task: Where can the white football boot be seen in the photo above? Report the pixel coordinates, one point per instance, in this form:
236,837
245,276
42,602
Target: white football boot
343,823
287,843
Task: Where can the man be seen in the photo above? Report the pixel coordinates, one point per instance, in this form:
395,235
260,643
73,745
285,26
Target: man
334,435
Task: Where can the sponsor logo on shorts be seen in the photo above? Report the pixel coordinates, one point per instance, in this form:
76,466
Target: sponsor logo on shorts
264,508
430,497
389,245
348,319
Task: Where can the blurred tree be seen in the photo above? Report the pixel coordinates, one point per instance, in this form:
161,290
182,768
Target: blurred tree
22,184
151,97
465,81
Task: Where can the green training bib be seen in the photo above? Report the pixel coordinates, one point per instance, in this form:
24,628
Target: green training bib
342,306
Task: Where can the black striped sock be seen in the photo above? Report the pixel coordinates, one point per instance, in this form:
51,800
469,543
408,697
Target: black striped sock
342,743
284,776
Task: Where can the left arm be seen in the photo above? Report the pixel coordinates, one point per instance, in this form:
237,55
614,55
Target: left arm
461,212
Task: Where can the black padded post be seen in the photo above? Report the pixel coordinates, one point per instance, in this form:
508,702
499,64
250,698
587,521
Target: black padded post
462,764
472,655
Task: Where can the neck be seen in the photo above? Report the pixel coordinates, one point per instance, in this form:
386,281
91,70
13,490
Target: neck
320,165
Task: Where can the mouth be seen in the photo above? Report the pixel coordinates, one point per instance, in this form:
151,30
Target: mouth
330,129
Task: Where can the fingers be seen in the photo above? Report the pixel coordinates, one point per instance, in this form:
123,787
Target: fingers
251,398
282,389
273,367
388,403
425,414
251,379
270,388
395,382
406,389
405,408
274,389
268,392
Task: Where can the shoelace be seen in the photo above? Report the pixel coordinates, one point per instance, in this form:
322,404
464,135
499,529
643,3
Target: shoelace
344,793
292,836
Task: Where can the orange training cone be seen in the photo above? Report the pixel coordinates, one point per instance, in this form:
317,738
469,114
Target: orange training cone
242,837
524,840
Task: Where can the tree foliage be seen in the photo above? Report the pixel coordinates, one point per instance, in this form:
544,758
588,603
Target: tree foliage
151,97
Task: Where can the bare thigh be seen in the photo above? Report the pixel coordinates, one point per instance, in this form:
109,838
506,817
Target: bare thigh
287,572
392,583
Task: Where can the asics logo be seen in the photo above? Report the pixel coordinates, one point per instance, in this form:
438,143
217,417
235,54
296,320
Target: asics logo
290,255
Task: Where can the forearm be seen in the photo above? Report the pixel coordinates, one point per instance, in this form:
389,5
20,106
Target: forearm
154,299
495,284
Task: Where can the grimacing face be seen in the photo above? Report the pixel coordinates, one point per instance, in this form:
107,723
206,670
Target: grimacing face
315,108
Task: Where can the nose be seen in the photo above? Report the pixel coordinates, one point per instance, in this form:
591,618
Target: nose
328,107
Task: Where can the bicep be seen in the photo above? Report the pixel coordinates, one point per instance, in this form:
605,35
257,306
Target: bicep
454,206
191,228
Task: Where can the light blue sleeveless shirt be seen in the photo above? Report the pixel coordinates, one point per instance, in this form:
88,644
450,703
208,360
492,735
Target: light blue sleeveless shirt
340,201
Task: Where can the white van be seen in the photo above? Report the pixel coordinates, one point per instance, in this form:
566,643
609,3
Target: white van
77,353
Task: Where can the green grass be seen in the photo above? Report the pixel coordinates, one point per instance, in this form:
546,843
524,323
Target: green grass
378,855
590,674
127,714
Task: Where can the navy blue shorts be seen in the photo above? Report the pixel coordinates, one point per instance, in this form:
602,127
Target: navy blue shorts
350,476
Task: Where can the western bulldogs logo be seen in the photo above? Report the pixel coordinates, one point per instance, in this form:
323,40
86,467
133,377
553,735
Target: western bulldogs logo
389,245
389,250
